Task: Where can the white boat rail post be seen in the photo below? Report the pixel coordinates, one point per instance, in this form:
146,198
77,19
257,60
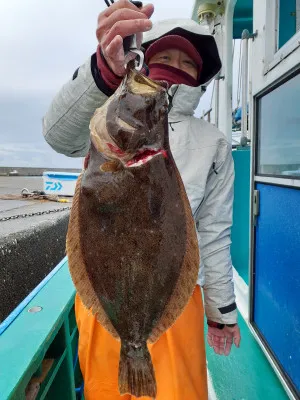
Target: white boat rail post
250,91
217,99
218,17
218,35
245,59
225,112
210,16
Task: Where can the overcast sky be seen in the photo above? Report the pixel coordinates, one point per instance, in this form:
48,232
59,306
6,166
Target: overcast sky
41,45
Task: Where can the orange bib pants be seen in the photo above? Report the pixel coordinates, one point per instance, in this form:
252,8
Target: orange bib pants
178,357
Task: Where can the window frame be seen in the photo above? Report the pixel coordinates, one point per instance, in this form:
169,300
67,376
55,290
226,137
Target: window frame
270,177
274,55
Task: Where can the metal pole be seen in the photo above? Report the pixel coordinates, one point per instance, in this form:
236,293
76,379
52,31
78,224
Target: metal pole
250,109
225,96
217,99
245,39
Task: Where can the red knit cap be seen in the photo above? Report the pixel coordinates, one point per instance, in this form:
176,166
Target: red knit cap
174,42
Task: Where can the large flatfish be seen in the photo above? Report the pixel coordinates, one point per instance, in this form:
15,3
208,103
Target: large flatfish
131,243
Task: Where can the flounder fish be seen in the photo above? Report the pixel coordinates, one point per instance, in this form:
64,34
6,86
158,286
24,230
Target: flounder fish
131,242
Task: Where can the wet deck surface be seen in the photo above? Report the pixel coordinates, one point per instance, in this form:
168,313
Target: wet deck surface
30,246
14,186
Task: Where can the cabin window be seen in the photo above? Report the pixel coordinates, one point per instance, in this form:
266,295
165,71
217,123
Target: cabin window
278,152
288,20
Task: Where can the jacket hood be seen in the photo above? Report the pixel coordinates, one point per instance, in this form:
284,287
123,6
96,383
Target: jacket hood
197,35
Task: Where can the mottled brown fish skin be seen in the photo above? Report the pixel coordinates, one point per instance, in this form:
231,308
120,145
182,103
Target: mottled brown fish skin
146,114
135,230
133,240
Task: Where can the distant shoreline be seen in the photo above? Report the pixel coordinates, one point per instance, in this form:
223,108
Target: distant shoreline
27,171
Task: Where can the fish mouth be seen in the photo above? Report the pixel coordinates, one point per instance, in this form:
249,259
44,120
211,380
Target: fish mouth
140,84
143,156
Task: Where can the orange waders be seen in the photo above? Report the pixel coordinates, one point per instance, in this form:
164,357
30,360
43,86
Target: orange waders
178,357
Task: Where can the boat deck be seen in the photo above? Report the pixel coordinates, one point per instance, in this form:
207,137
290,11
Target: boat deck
51,333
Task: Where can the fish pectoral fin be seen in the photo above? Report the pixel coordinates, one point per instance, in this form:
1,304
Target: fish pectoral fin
77,265
111,166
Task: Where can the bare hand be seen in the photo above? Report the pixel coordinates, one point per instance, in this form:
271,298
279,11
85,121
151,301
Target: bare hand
119,20
221,339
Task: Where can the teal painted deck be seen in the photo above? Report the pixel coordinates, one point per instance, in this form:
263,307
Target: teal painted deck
52,333
245,374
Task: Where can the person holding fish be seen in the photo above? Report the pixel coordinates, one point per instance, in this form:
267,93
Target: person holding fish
135,231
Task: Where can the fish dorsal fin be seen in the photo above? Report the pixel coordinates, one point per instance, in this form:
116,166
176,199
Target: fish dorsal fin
77,266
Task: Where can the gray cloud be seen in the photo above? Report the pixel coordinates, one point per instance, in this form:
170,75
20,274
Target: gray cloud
42,43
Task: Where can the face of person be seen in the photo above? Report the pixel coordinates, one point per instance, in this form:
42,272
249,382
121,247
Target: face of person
177,59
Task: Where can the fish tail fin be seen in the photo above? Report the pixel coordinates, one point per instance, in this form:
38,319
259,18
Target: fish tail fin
136,372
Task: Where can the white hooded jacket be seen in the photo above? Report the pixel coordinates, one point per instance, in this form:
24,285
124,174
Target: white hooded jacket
201,152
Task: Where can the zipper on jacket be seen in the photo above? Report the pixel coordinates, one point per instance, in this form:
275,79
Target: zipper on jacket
195,214
171,98
171,123
214,168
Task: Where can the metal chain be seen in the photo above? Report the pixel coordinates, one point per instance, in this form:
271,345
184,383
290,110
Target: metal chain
34,213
